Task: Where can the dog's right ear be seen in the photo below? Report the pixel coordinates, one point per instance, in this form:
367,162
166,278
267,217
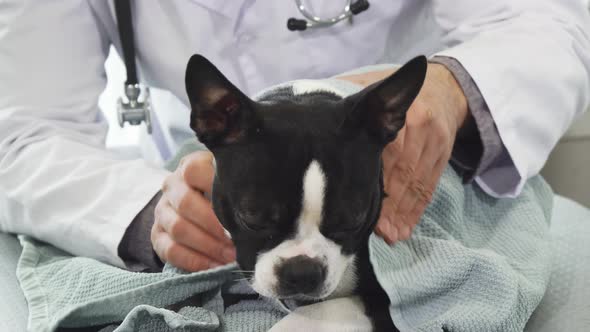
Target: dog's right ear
381,108
220,113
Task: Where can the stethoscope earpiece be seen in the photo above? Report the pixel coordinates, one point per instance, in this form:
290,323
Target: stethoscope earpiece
295,24
312,21
359,7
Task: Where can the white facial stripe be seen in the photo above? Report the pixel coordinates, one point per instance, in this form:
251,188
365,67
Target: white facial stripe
314,186
341,276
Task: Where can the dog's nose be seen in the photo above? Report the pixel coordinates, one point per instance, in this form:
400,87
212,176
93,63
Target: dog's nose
300,275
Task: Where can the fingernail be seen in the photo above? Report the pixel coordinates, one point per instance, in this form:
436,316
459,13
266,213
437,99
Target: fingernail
385,229
377,229
226,233
229,254
383,222
394,234
380,226
404,232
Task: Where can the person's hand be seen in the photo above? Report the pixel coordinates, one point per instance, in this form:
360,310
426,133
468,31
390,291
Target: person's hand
186,231
413,163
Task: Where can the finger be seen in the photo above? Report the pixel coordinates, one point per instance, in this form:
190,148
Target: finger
414,188
401,176
425,185
193,206
380,229
420,145
403,172
404,231
154,238
384,224
437,171
440,147
431,185
183,228
405,167
368,78
390,155
198,171
181,256
192,236
419,189
392,152
387,232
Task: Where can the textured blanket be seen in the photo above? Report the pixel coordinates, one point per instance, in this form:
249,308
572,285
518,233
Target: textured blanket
474,263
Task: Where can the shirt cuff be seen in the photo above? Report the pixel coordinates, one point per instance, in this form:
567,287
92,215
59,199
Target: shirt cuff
478,145
136,247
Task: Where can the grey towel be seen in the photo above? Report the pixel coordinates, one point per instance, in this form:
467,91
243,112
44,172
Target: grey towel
474,263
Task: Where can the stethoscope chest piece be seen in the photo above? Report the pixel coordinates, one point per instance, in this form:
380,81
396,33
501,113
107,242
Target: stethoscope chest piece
135,110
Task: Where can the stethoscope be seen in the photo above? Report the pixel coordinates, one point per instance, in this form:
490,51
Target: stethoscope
135,110
312,21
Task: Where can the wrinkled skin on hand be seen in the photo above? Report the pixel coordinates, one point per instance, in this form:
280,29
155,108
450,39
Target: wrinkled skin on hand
414,162
186,231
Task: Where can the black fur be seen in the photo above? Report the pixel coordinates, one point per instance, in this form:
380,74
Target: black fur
262,150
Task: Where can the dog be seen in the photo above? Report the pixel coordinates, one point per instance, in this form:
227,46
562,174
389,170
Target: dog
299,180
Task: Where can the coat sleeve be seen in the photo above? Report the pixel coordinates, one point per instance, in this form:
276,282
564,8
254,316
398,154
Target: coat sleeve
531,62
57,181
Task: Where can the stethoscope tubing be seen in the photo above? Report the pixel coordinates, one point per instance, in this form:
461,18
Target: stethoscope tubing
318,21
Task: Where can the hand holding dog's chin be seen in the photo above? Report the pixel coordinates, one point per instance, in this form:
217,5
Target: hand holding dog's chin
414,162
186,232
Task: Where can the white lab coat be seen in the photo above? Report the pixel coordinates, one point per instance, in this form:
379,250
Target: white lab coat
530,59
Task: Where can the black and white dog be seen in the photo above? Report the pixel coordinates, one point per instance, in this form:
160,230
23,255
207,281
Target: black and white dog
299,180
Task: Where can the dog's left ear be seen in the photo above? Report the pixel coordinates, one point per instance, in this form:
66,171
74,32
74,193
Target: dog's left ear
381,108
220,113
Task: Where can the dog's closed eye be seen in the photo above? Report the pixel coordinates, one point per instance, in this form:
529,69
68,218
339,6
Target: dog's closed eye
344,231
256,219
252,220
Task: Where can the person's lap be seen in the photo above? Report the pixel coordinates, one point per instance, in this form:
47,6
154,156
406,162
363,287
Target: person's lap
560,306
13,306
